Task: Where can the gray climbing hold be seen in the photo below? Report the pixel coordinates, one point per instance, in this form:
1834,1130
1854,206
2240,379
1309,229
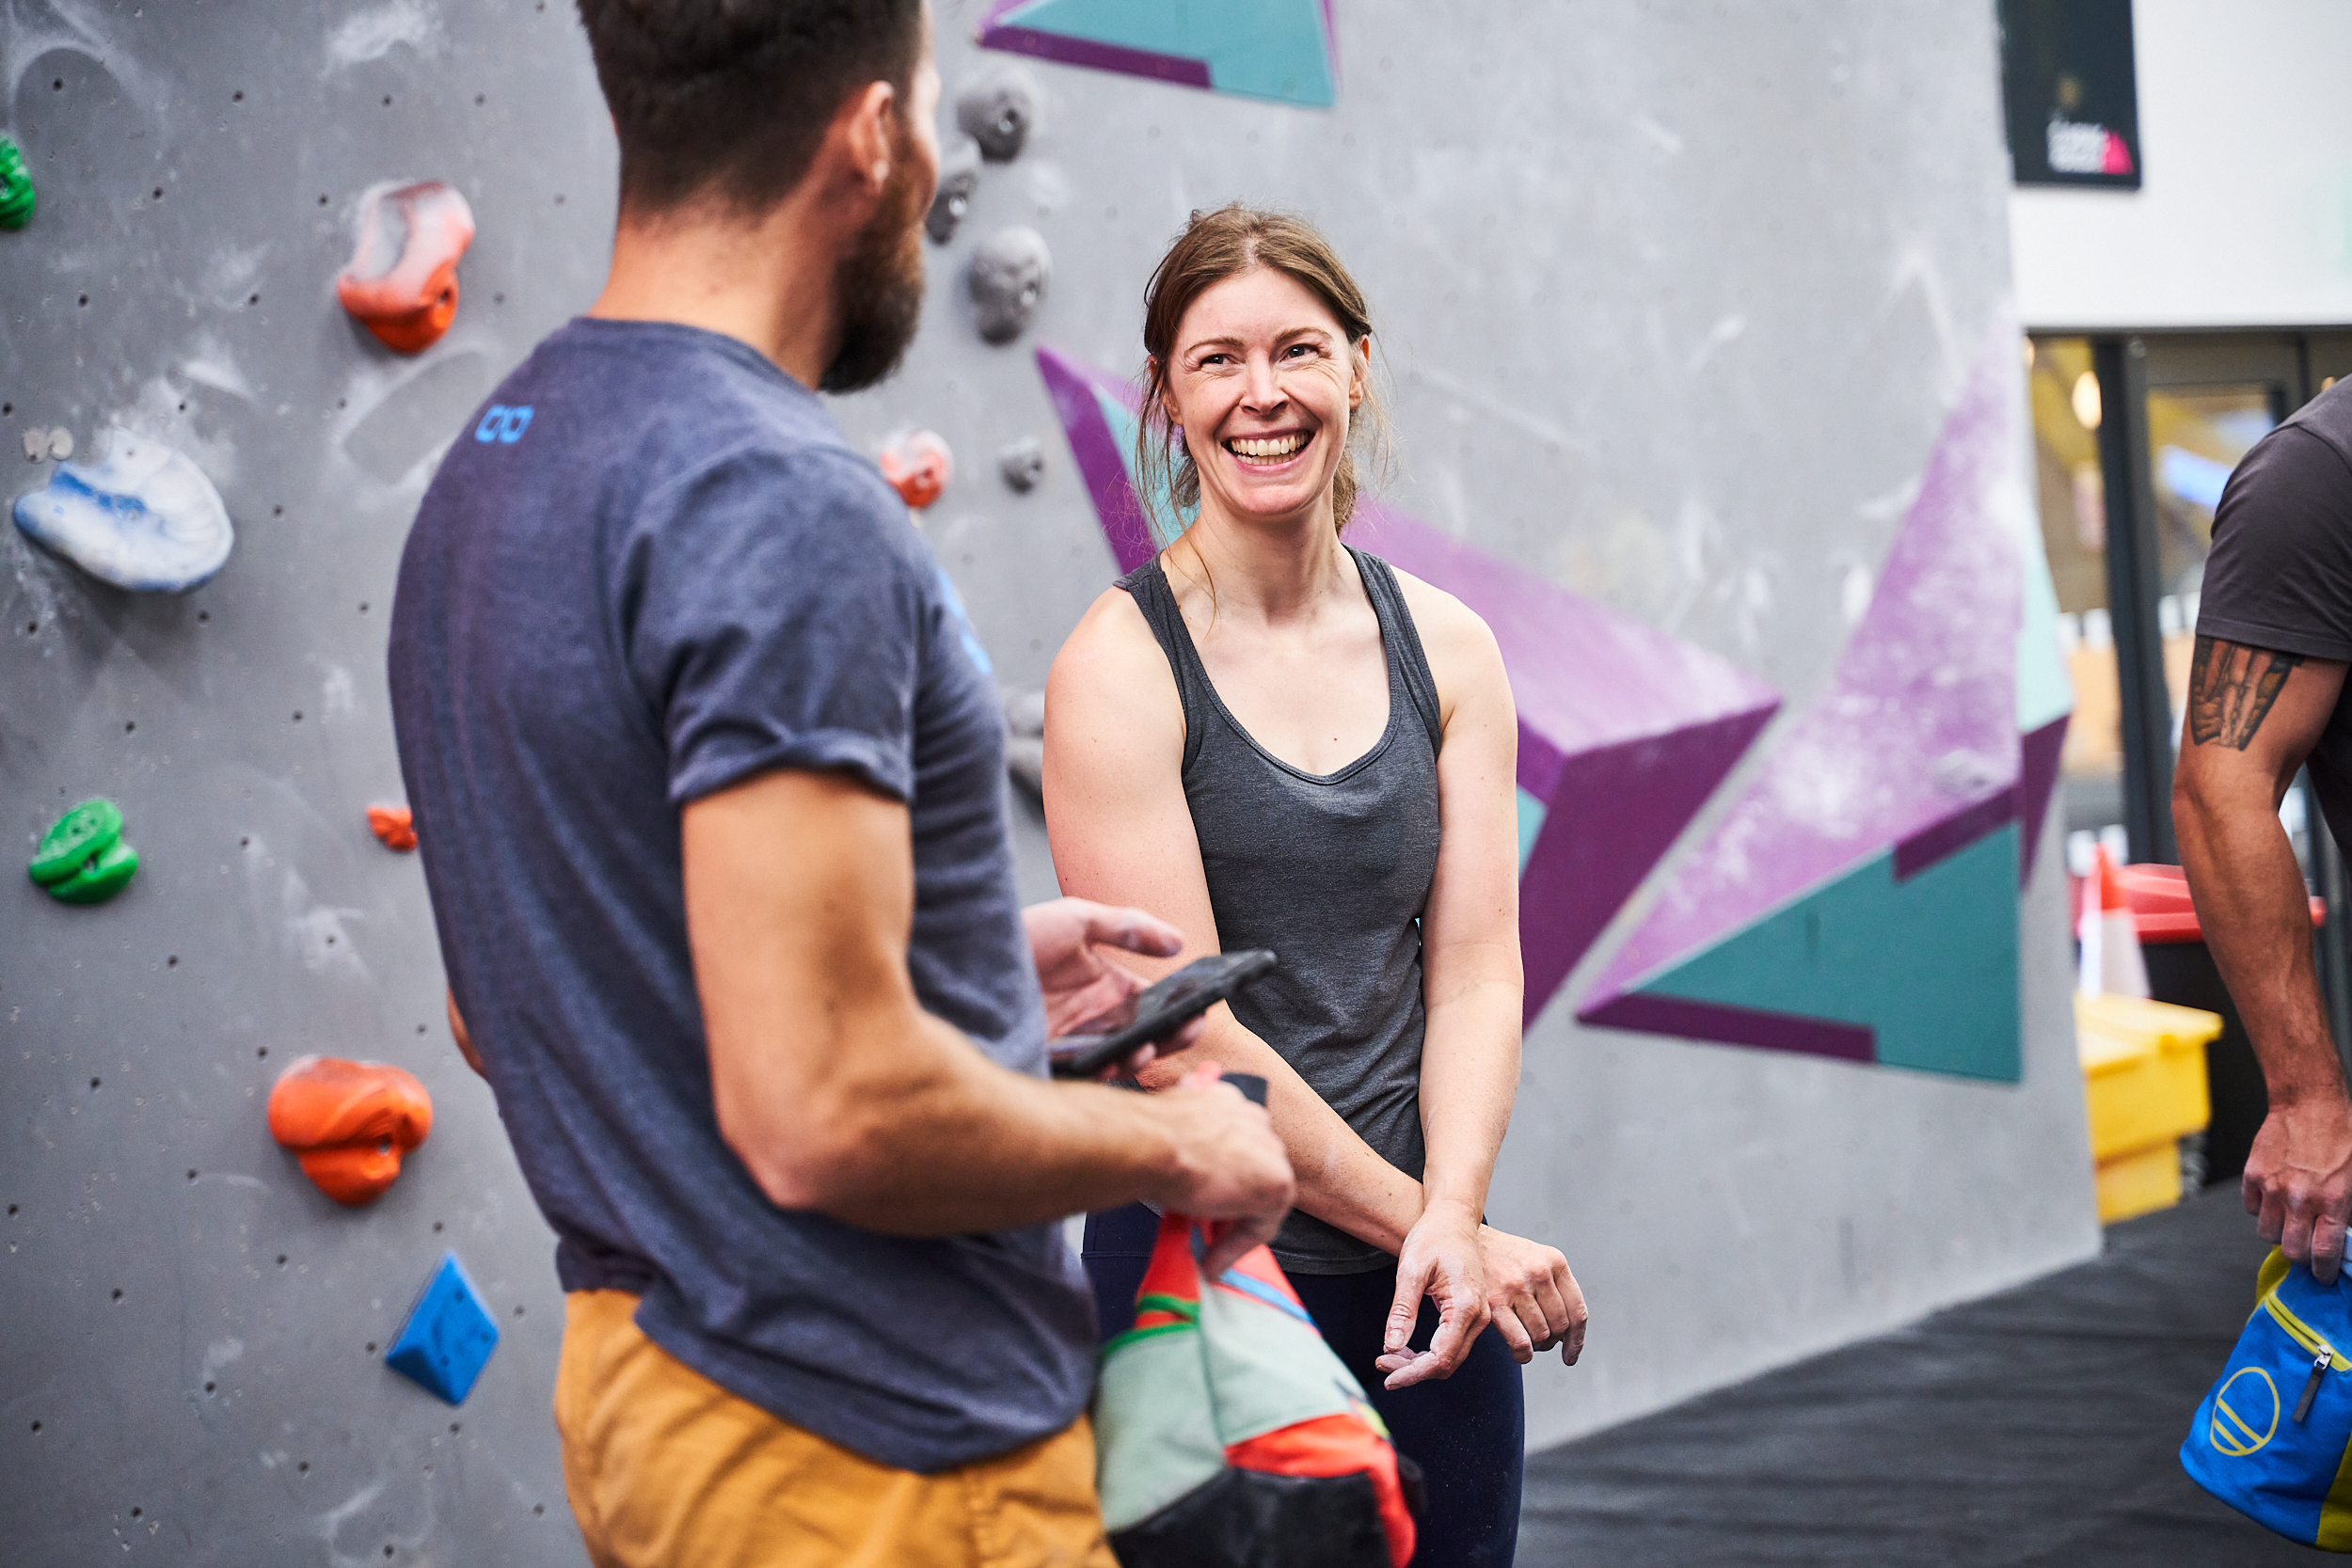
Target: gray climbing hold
1025,738
61,443
1023,463
997,111
1010,271
959,181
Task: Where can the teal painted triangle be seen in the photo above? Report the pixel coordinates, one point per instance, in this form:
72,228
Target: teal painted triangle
1928,965
1531,823
1167,522
1256,48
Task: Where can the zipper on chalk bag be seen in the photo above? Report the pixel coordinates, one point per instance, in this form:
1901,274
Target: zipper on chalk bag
2311,1384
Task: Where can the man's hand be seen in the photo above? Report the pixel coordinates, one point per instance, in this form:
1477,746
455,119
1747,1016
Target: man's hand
1535,1301
2298,1181
1066,937
1235,1169
1442,1259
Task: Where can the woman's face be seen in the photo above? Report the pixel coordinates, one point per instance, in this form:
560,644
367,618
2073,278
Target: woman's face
1262,380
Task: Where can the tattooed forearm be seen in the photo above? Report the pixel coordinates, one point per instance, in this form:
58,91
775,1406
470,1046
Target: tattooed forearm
2231,688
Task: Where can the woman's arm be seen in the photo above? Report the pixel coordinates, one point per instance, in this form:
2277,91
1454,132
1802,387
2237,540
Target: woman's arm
1473,989
1122,833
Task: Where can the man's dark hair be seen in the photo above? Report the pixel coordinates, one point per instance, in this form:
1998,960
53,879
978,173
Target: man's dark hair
729,99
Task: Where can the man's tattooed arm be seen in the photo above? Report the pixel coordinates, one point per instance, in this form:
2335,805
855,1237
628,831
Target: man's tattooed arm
2231,688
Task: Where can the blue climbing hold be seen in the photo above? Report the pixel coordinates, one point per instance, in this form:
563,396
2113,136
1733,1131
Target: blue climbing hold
449,1335
145,518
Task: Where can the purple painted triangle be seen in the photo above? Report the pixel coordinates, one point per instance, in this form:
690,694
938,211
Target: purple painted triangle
2037,781
1624,731
1914,745
1097,450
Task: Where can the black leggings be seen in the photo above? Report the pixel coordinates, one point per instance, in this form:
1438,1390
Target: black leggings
1467,1433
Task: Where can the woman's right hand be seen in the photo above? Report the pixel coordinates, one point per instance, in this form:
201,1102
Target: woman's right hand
1536,1299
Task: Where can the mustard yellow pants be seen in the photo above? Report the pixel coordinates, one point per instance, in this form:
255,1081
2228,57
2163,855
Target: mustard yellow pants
666,1470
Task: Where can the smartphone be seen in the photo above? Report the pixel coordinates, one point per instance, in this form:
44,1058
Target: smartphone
1156,1011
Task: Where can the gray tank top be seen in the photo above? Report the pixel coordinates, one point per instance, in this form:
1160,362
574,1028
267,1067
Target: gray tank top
1331,873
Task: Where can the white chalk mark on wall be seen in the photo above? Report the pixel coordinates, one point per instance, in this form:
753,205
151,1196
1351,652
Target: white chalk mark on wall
373,34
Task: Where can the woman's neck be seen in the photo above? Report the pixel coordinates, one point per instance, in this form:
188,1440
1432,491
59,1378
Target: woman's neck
1270,571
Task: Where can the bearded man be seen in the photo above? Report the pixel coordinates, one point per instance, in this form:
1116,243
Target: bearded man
710,790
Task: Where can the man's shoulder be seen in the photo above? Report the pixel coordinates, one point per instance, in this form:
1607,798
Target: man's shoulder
676,425
2317,437
661,398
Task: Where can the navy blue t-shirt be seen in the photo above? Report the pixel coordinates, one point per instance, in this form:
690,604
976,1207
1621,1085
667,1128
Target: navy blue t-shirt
650,569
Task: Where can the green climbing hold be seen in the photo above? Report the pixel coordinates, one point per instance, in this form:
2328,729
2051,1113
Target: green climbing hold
16,187
83,860
89,828
100,878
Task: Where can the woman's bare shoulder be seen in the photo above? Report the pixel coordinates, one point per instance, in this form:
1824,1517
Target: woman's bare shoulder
1110,656
1452,633
1110,639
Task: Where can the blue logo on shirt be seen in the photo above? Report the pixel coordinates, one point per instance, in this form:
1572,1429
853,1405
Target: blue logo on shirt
503,423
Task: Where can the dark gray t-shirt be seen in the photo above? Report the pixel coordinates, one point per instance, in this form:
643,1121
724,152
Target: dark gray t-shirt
2280,573
650,569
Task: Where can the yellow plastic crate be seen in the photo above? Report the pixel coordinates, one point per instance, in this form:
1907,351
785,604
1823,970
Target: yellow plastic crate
2140,1183
2145,1087
2143,1070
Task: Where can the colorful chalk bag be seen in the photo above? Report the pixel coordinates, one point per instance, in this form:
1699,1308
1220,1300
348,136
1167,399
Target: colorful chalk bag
1228,1435
2273,1436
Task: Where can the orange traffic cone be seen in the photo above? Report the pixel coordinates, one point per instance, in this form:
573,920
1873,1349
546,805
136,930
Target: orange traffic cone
2111,961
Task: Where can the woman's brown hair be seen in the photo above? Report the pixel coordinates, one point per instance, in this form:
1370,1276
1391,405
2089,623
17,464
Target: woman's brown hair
1215,246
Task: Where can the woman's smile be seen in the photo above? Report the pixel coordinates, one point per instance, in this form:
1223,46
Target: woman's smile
1269,452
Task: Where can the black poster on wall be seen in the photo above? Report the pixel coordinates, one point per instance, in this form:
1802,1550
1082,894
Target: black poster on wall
2073,102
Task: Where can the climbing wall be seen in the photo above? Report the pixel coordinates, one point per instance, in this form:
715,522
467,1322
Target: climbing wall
195,1367
1675,307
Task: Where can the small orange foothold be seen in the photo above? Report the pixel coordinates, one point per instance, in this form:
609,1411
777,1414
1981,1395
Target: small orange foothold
394,826
918,466
349,1123
401,283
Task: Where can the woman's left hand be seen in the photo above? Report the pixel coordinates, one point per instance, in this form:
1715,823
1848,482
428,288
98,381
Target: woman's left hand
1441,1258
1535,1301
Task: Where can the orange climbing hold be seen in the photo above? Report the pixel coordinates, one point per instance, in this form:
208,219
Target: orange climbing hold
394,826
349,1123
918,466
401,283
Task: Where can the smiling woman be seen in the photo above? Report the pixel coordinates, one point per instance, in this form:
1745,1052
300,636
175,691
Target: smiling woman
1273,739
1230,245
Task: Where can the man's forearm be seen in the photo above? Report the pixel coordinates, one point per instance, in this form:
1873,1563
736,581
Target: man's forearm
1343,1181
2252,908
932,1140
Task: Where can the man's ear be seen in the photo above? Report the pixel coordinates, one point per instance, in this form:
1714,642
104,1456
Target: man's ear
868,124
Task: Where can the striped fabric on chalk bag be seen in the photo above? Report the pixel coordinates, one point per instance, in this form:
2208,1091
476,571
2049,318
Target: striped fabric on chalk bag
1229,1435
2274,1437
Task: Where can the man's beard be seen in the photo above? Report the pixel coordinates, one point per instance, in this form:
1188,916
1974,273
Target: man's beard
879,285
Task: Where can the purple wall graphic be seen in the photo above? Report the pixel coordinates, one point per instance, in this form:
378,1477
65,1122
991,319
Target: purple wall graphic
1624,731
1913,753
